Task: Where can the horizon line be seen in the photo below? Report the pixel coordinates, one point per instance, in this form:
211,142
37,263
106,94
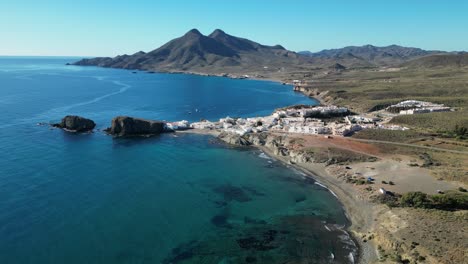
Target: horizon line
94,56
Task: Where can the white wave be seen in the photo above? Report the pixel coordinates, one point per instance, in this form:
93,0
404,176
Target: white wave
334,194
264,156
297,171
351,257
321,185
326,227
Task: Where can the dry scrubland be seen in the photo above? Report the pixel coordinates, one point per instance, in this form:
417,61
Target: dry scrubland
371,89
405,228
407,233
365,90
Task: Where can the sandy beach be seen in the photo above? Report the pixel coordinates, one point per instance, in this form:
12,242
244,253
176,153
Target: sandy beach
359,211
372,223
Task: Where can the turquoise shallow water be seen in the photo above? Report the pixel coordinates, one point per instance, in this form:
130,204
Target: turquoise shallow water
89,198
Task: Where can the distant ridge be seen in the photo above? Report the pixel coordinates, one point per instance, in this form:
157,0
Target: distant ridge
371,55
216,53
220,53
453,60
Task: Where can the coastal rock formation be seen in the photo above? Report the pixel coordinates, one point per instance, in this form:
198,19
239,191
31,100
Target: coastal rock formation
123,126
76,124
271,142
281,145
234,139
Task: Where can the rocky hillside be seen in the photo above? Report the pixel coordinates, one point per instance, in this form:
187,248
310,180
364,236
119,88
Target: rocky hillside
221,53
216,53
456,60
368,55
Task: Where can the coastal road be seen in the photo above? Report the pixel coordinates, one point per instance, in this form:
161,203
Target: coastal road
409,145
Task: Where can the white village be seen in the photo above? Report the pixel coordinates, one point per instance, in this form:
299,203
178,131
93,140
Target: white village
316,120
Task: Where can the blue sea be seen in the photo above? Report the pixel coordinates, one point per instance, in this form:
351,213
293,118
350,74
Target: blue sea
174,198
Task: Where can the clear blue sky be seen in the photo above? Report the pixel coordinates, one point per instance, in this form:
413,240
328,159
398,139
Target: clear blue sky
112,27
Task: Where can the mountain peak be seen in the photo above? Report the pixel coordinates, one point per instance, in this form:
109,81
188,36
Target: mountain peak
194,52
278,47
217,33
194,31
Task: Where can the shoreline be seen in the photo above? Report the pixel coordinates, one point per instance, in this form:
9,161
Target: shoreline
369,223
358,224
352,206
318,98
358,211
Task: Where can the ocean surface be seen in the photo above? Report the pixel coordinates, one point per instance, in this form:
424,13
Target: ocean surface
174,198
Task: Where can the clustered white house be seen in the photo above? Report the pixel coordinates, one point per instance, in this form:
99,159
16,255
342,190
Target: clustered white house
306,111
410,107
356,119
180,125
292,120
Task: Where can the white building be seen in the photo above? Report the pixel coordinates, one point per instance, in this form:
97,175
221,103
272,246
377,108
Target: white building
180,125
203,125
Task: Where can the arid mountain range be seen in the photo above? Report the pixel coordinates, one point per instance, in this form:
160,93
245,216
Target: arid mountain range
221,53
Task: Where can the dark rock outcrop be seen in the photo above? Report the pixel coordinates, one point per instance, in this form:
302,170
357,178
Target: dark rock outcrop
124,126
234,139
277,144
76,124
337,67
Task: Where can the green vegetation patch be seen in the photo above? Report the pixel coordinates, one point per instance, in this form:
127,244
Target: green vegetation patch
447,123
450,201
337,156
388,135
370,90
